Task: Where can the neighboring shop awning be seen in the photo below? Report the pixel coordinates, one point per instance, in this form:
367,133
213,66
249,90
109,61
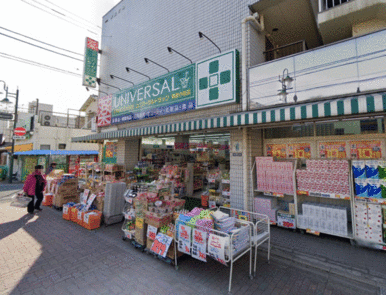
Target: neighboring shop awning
62,152
314,110
21,147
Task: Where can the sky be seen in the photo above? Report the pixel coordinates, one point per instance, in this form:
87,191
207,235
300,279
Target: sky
64,24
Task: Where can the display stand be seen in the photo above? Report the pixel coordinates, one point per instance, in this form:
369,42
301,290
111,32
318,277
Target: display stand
230,256
261,228
289,217
328,210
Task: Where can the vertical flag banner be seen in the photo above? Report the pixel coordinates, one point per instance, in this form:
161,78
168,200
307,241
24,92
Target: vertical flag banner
104,111
90,63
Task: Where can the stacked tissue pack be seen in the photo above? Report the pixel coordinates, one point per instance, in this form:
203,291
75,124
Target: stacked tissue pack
370,178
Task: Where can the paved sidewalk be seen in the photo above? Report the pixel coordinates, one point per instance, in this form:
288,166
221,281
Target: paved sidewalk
44,254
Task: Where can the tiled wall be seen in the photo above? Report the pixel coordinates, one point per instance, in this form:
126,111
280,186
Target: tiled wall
128,152
134,30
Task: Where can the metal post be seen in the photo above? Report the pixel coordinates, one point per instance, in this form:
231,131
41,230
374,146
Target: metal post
13,133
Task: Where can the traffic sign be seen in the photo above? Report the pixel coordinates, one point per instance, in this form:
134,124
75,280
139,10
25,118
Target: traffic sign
20,131
5,116
18,137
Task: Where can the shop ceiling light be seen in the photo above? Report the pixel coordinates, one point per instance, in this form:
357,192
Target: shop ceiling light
147,61
171,51
130,69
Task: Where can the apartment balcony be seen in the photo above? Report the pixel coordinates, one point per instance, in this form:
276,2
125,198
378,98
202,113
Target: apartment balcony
355,65
341,19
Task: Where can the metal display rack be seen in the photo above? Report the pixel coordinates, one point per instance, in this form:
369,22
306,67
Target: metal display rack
231,239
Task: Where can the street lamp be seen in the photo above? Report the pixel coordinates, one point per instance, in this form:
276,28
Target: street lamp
286,83
7,101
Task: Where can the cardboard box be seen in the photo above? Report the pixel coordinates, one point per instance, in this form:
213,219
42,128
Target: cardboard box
140,231
158,220
61,199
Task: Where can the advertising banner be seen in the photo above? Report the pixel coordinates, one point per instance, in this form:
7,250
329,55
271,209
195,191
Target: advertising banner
208,83
168,94
299,150
365,149
277,150
104,111
332,149
90,63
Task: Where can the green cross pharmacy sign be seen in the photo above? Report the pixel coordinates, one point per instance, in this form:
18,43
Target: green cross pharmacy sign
217,80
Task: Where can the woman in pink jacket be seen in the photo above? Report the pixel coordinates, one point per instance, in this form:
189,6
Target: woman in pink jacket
34,187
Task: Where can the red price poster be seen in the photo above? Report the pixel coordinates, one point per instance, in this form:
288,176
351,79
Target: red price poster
332,150
365,149
151,232
199,245
277,150
184,238
299,150
161,244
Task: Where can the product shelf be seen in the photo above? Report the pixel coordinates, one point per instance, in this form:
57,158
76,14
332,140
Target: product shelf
323,195
349,235
272,194
371,200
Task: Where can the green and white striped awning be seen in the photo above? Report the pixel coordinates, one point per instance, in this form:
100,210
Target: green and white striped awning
316,110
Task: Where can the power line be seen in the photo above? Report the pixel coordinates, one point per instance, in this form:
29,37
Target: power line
40,41
83,24
73,14
34,63
42,47
58,17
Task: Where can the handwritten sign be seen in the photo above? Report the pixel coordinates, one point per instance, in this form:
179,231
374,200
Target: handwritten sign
184,238
65,209
139,223
212,204
199,245
161,244
85,196
216,247
89,201
151,232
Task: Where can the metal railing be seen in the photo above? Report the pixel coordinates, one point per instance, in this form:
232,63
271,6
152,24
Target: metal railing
328,4
285,50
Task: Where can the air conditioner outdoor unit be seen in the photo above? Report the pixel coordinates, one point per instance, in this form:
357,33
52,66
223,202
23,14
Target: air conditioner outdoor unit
47,120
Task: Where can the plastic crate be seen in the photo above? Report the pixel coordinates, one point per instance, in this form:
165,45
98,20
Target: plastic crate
47,200
74,214
66,212
92,220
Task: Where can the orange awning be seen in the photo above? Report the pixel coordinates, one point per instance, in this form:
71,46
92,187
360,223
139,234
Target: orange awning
21,147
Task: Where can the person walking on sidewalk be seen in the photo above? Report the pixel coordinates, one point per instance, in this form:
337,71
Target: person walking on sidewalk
34,187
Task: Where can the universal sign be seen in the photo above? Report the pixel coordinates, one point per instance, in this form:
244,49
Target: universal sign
211,82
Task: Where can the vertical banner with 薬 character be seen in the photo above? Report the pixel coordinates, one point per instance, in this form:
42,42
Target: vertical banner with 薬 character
90,63
104,111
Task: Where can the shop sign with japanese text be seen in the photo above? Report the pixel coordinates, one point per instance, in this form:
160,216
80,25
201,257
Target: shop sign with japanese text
169,94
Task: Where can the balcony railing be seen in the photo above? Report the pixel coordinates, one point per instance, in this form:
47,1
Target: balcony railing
285,50
342,68
328,4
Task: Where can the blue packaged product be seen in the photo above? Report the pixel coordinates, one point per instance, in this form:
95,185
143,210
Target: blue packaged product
372,169
361,188
374,188
359,169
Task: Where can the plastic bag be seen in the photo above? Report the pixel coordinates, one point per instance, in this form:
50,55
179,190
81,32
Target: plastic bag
20,199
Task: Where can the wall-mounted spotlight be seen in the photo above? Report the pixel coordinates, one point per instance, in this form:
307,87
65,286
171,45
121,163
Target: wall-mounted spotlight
130,69
112,77
149,60
201,35
171,51
100,82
